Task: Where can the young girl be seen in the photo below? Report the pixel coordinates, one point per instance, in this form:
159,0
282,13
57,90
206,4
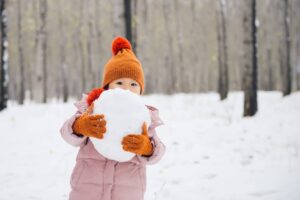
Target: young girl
95,177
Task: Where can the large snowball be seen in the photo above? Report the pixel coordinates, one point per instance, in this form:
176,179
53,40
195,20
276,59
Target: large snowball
125,114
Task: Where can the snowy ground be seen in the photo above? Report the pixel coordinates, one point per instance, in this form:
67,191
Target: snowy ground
212,152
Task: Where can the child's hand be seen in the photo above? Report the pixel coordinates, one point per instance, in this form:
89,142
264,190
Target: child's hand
90,125
138,144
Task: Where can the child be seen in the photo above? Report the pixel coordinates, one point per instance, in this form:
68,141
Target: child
95,177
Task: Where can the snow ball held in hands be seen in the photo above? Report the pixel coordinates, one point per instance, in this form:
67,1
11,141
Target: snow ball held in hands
125,114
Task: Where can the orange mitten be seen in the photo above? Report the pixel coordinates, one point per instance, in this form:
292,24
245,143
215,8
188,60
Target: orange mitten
90,125
138,144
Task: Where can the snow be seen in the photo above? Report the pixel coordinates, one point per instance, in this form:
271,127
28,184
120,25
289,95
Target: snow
125,113
213,153
257,22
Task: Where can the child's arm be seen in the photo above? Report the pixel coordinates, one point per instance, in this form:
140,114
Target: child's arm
66,130
82,125
158,147
68,134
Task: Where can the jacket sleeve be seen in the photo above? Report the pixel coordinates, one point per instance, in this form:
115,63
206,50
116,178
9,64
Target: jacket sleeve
158,147
158,150
66,130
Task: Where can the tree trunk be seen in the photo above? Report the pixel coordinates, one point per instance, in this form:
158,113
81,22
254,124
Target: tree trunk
250,58
298,65
62,68
134,25
222,51
41,59
127,18
287,72
180,72
44,48
220,55
81,47
169,61
91,74
21,95
3,62
270,72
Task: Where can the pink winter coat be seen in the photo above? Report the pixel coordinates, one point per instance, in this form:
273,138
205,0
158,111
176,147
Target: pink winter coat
95,177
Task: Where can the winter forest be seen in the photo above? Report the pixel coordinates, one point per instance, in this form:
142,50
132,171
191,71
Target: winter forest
224,74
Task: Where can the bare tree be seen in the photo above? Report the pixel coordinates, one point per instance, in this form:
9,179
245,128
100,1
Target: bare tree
250,58
91,35
222,50
81,46
298,65
179,37
62,68
3,70
44,47
134,22
21,95
175,40
169,62
270,72
127,18
286,65
41,54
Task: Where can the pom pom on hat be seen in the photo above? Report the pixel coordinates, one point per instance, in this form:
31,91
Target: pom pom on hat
93,95
120,43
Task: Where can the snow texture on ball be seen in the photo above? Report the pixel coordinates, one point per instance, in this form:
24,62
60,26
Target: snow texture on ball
125,114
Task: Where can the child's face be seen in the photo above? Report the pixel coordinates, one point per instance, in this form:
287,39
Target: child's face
126,84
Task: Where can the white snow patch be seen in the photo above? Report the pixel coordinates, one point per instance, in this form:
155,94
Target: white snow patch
213,153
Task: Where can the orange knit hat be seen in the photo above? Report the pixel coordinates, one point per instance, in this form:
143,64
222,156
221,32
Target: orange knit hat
123,64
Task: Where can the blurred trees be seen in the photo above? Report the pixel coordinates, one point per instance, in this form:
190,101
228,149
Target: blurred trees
57,49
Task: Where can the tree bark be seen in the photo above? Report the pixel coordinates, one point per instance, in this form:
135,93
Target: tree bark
287,69
222,51
180,72
21,95
127,18
270,72
134,25
91,74
3,62
62,68
298,65
44,48
250,58
41,55
168,60
81,47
